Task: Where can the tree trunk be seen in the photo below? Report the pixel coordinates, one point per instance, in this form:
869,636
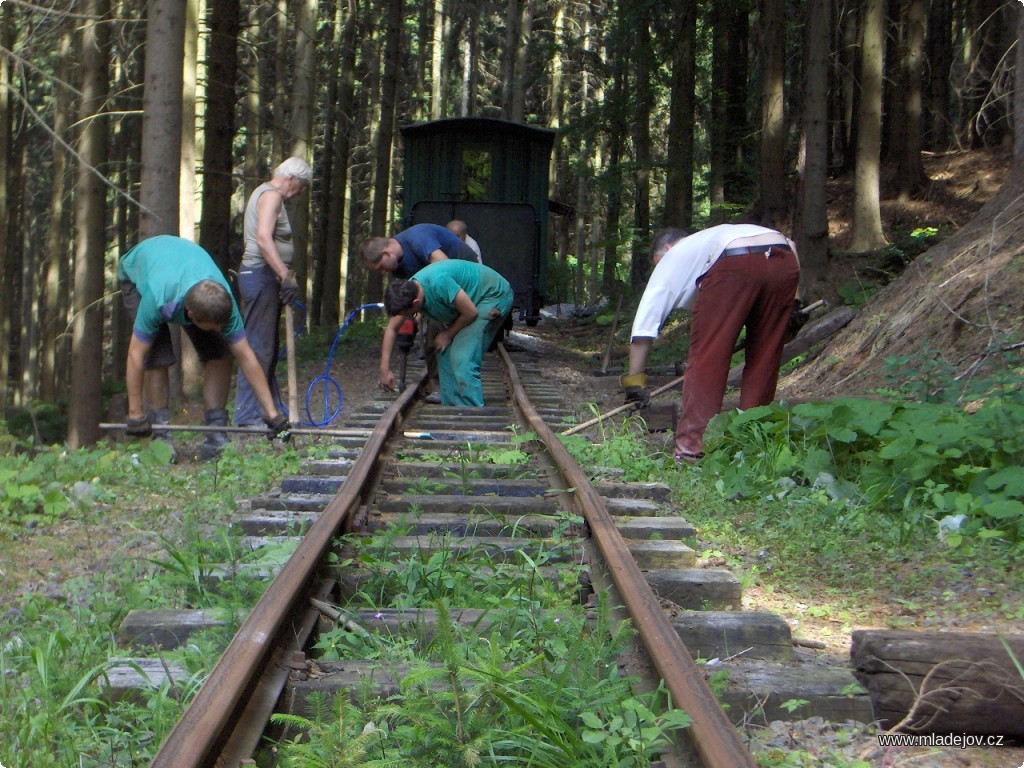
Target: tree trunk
613,178
192,102
437,63
910,175
772,197
812,228
161,134
191,369
124,151
385,134
86,401
215,231
585,170
58,253
679,152
1018,103
252,123
521,52
561,175
509,57
867,215
280,29
333,262
939,54
6,314
303,100
643,55
161,118
717,126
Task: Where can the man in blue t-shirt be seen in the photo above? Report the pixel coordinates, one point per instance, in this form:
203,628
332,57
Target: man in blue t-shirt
412,249
471,302
167,279
404,255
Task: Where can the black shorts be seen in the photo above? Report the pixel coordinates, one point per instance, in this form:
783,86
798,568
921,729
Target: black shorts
209,345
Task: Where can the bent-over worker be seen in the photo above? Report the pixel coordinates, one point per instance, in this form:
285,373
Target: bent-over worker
730,276
168,279
471,302
403,256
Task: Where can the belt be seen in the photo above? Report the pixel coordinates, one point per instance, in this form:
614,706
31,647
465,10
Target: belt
748,249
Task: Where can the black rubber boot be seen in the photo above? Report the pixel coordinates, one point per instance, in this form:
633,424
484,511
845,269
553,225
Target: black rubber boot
157,417
213,445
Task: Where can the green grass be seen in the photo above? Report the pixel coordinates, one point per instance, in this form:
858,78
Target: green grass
533,682
144,535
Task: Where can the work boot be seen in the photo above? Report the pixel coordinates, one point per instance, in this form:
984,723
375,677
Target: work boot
157,417
213,445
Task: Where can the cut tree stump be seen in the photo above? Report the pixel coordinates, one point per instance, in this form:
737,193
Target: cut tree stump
942,682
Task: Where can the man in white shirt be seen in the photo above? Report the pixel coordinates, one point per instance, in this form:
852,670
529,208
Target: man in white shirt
459,228
729,276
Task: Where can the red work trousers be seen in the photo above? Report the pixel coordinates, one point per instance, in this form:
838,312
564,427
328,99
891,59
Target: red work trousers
752,290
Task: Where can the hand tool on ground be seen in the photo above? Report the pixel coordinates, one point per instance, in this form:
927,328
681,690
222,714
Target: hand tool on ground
404,339
664,388
624,407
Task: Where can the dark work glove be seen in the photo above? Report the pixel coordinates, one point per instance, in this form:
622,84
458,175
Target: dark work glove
279,426
289,289
797,320
634,386
139,427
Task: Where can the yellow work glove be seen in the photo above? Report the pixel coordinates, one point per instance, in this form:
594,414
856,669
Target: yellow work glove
634,385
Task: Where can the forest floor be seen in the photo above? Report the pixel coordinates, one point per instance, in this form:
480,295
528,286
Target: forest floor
961,184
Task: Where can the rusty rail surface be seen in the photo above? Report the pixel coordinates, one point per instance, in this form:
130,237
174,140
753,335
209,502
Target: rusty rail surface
714,737
203,727
205,734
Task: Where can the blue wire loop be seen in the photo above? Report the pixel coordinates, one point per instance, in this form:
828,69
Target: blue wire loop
330,385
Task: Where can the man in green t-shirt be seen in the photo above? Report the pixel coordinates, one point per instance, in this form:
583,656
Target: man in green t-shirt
167,279
472,302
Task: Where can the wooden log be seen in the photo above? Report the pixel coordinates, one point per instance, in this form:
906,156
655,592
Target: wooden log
942,682
810,335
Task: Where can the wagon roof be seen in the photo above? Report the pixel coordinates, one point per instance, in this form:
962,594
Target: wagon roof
474,124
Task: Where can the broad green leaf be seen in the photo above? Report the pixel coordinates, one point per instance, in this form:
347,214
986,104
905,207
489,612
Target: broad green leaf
1004,509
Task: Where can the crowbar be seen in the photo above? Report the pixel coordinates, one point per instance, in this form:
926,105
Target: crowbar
256,431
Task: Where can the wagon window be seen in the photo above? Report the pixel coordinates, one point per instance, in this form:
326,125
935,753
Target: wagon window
476,174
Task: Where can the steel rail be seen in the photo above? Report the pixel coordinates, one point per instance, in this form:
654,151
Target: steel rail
715,739
203,727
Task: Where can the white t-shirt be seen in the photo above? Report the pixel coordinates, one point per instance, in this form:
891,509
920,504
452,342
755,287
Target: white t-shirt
476,248
673,283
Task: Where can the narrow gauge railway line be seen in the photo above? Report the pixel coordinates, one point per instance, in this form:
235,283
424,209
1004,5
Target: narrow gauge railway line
226,720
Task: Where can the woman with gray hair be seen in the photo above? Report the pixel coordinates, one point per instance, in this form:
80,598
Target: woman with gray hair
266,280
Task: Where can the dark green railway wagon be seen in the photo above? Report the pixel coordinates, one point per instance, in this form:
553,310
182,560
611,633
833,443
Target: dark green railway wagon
492,174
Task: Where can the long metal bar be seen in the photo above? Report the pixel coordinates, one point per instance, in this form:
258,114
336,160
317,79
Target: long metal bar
714,736
255,431
203,727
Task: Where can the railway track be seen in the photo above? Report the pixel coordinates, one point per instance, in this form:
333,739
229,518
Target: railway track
385,470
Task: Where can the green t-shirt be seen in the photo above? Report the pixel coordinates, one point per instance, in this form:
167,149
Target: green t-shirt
163,269
442,280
